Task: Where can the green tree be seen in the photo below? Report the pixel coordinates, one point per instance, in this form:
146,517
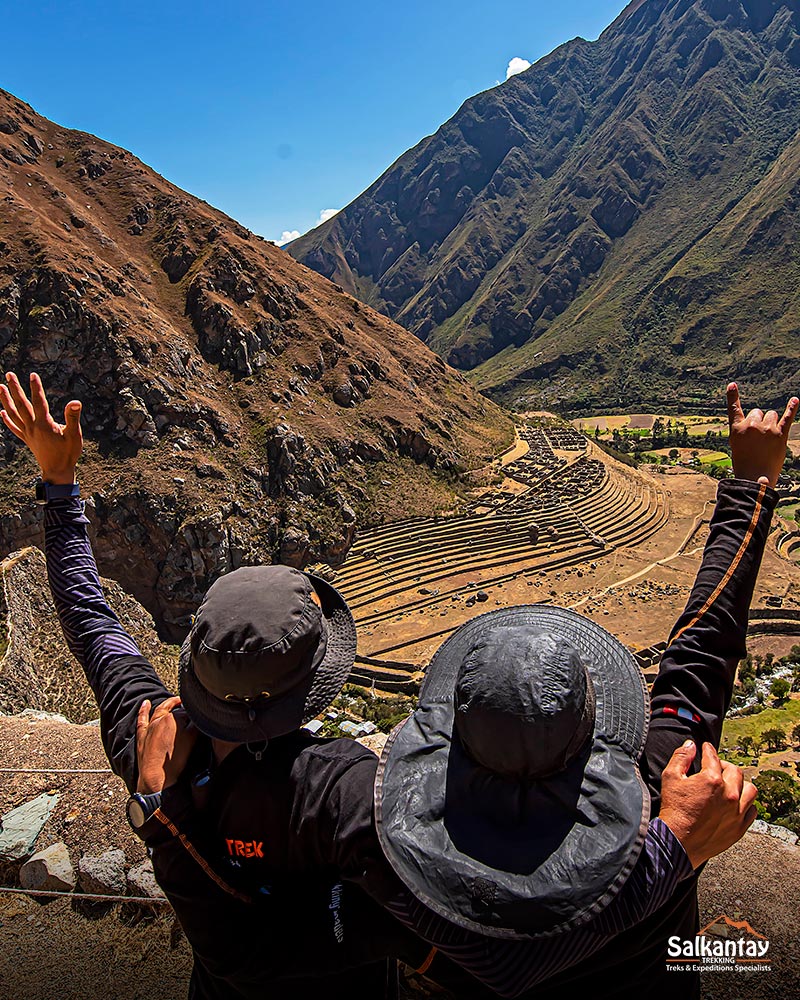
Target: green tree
748,745
775,739
791,821
779,689
673,453
658,432
778,795
796,735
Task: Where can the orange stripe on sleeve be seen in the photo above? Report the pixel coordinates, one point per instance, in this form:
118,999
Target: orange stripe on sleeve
427,963
733,566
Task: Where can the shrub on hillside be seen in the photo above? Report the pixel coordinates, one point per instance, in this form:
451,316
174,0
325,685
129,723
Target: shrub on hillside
778,795
779,689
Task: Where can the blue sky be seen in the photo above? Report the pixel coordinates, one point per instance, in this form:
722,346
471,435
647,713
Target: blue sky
273,111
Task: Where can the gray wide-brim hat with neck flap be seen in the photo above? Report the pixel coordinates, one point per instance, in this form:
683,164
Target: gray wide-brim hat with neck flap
511,801
263,657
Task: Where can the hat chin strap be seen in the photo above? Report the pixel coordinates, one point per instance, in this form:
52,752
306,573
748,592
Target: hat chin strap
258,754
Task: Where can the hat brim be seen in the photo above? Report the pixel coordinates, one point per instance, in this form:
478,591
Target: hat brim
506,858
270,717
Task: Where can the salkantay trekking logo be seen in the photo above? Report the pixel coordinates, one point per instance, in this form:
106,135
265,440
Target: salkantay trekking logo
724,945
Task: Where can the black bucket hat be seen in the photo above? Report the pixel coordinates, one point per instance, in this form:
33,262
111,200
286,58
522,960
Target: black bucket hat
511,802
262,657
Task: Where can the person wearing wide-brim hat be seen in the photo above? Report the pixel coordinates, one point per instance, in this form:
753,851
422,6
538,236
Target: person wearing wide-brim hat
258,832
511,801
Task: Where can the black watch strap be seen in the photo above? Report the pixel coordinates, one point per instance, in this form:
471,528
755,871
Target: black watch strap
140,810
55,491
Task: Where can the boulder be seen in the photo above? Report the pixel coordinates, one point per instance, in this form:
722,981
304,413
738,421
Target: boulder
37,716
141,881
343,395
773,830
49,869
20,827
103,873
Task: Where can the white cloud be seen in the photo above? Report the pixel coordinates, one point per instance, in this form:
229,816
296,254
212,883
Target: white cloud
291,234
516,65
287,236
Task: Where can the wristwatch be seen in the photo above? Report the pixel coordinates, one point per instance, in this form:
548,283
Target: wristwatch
140,809
55,491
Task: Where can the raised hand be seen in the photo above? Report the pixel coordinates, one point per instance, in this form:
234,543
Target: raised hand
709,811
758,440
56,447
164,740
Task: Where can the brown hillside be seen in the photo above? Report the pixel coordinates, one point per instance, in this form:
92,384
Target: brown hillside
238,407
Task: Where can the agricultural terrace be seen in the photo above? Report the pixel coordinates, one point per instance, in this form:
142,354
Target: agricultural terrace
564,523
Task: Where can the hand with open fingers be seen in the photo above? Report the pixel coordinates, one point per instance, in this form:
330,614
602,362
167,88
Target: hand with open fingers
164,740
758,440
56,447
709,811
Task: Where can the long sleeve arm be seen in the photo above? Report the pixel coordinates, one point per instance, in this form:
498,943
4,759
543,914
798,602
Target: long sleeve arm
119,676
693,689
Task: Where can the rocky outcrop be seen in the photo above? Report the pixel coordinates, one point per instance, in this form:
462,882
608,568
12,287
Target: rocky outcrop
37,671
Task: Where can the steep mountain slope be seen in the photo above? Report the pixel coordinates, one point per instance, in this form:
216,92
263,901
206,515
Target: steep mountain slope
618,217
238,407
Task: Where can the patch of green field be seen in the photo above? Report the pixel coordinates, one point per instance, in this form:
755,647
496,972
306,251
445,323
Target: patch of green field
789,510
715,458
785,717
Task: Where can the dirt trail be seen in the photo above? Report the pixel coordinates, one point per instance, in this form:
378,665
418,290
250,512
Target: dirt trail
645,571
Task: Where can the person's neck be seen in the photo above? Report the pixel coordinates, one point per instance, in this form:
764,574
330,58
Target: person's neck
221,749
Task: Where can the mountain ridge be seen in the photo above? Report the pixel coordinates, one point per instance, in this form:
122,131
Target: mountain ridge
595,172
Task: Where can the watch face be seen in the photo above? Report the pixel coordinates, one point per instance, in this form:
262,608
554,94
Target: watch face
135,813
